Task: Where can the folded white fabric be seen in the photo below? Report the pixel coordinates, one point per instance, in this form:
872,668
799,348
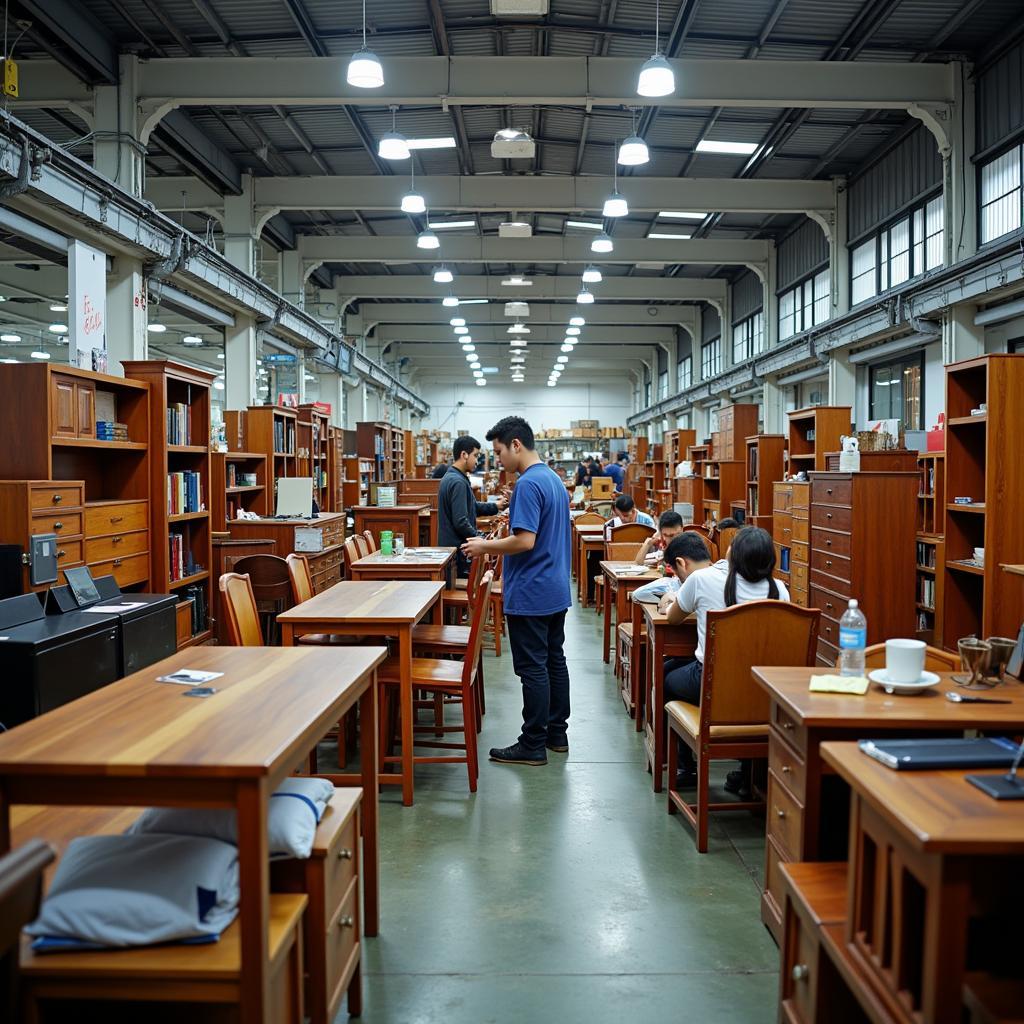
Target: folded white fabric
117,891
295,810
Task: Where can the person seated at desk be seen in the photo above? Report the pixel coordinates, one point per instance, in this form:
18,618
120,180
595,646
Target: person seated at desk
626,512
616,471
746,575
670,525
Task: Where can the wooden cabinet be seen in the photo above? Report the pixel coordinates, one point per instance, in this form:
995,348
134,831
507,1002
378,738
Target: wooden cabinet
325,565
73,407
735,424
765,454
32,507
238,481
791,532
815,432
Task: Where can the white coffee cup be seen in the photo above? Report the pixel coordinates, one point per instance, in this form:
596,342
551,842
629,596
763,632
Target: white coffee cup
904,660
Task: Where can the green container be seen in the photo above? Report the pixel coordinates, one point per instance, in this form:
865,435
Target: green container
386,542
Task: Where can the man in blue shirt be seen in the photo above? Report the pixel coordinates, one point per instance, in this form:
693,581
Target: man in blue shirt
536,592
616,472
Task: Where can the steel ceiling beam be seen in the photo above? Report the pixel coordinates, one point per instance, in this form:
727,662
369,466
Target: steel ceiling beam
442,335
650,315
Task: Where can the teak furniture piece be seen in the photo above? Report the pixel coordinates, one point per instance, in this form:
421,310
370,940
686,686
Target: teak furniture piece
313,458
49,419
983,463
930,554
813,433
226,552
425,564
863,546
228,495
378,610
373,442
269,430
735,424
617,588
231,750
358,475
173,386
813,801
404,519
791,530
765,454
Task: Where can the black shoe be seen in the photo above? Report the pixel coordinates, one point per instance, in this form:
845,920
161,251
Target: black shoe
738,783
517,754
686,778
560,745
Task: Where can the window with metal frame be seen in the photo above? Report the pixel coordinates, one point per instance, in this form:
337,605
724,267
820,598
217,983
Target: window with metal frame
684,373
805,305
711,358
1000,196
896,390
748,337
662,385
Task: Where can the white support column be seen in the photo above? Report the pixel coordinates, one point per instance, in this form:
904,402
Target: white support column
962,338
240,363
300,377
842,381
293,278
771,302
775,421
126,313
839,254
241,235
960,179
117,150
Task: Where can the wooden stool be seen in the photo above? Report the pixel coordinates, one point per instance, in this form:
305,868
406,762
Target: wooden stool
330,929
206,976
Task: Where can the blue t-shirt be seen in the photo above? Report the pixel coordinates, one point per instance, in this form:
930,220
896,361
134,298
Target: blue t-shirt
614,470
536,582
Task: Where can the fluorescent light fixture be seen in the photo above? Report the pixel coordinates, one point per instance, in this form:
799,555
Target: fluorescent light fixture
364,70
517,343
514,229
681,215
591,275
585,298
512,144
39,354
615,205
517,309
577,321
567,348
427,240
517,360
457,321
441,224
450,300
442,275
633,152
481,383
669,234
440,142
573,332
475,365
220,355
59,307
461,330
603,243
10,337
392,146
413,202
153,328
728,148
60,328
516,281
191,339
562,359
518,328
474,302
656,78
588,224
8,360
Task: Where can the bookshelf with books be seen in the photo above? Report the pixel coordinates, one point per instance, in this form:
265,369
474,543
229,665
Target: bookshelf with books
653,478
398,453
239,484
312,426
373,441
358,477
426,455
636,448
931,547
676,443
723,483
180,484
335,469
689,490
813,433
765,453
269,430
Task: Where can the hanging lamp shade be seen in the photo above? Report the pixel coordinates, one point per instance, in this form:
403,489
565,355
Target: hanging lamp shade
427,240
602,243
656,78
442,275
585,297
633,152
591,275
450,300
365,71
615,205
413,202
393,146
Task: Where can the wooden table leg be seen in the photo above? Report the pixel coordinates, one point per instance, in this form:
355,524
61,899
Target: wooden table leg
636,684
437,610
370,812
607,612
287,634
405,698
254,901
656,711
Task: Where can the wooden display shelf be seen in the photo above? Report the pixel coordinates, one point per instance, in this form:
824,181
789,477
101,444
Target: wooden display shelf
188,449
243,490
958,566
85,442
196,577
186,517
977,507
963,421
828,423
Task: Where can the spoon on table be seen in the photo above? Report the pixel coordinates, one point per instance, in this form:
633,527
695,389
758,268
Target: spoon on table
966,698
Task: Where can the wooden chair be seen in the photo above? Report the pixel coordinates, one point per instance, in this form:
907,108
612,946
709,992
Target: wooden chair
723,538
362,545
935,659
21,889
271,589
448,678
708,539
240,609
350,554
302,590
370,542
589,519
629,532
732,719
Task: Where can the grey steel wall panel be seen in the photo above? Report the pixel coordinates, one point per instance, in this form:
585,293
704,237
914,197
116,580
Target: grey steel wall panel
747,296
1000,99
801,252
710,323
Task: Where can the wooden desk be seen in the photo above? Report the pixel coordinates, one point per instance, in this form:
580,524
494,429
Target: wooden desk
621,585
363,608
813,800
404,519
324,565
663,641
578,533
420,564
591,545
139,743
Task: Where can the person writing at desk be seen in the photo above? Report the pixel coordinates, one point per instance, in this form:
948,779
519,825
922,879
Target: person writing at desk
457,507
670,525
626,512
746,575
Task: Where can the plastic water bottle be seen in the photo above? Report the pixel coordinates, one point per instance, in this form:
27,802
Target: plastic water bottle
853,638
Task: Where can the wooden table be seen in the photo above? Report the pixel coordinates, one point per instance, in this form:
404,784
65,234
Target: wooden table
621,585
578,533
813,825
363,608
138,743
590,544
663,641
417,564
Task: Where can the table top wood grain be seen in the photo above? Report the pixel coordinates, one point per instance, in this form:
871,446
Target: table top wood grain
589,528
616,571
885,711
353,601
936,811
420,558
420,506
267,701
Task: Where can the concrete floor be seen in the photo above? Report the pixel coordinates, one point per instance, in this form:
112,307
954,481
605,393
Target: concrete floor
565,893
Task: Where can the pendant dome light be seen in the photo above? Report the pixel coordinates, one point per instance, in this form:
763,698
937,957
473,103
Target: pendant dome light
633,152
364,69
615,205
591,275
656,75
577,321
602,243
585,297
442,275
393,145
450,300
413,201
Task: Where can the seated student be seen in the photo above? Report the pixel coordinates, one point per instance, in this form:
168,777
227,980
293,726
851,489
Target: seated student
670,525
627,512
746,575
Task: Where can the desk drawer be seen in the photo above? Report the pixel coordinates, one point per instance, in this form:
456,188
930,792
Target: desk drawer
788,766
773,857
56,496
831,605
828,630
798,596
833,565
128,570
829,540
102,520
800,962
101,549
832,517
798,574
340,865
785,817
801,494
801,531
782,498
69,552
832,492
841,588
64,524
828,652
782,528
342,948
799,552
790,728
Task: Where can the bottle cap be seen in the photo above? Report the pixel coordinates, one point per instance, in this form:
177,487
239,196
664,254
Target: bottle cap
853,603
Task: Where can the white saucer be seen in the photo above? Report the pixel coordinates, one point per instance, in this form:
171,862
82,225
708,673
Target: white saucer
927,680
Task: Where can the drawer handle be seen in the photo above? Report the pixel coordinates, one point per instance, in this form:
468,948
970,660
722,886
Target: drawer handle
347,921
116,540
117,519
786,769
828,515
117,561
58,525
785,529
828,629
58,498
787,725
61,553
828,562
828,490
828,543
780,812
828,604
800,972
344,854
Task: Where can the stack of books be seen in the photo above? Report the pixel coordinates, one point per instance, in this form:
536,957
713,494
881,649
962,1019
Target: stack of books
107,430
181,561
179,423
184,492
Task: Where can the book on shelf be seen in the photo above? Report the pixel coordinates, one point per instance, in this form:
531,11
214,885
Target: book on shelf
199,613
179,423
926,555
107,430
181,561
184,492
926,592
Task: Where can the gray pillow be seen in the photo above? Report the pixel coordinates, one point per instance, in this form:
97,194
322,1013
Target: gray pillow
116,891
296,808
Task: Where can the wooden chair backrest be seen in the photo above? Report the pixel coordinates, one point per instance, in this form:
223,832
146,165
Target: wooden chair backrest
590,519
240,610
708,540
269,579
476,570
621,552
370,542
478,617
302,582
723,538
21,889
350,553
737,638
362,546
630,532
935,659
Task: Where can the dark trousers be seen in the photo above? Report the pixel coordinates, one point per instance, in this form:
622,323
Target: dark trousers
538,660
682,682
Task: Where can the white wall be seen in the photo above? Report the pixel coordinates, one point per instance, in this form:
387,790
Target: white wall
542,407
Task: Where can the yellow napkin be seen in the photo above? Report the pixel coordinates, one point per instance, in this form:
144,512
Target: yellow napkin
839,684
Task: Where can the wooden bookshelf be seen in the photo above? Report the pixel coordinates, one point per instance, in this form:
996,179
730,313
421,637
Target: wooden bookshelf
723,483
982,463
815,432
228,495
173,387
637,448
765,454
335,469
373,441
312,456
358,477
735,424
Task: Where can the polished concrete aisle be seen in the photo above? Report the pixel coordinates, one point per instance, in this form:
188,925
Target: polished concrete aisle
565,893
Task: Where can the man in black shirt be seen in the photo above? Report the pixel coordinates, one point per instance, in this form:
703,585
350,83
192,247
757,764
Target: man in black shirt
457,507
439,471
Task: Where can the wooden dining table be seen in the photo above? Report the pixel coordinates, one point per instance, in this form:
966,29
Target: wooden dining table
412,564
378,609
139,742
